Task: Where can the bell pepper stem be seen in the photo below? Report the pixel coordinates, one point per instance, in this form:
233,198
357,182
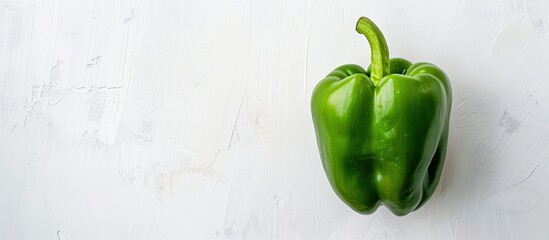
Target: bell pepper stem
378,46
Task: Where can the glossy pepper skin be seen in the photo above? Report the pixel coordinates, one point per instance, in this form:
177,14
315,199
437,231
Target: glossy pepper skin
382,133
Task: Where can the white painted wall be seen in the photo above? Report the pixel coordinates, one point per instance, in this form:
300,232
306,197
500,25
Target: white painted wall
140,119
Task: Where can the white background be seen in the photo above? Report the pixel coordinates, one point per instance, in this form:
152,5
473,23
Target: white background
143,119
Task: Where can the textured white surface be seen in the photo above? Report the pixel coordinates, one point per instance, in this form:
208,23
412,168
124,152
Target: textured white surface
140,119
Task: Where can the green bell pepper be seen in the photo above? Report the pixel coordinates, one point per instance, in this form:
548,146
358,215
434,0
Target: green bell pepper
382,133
